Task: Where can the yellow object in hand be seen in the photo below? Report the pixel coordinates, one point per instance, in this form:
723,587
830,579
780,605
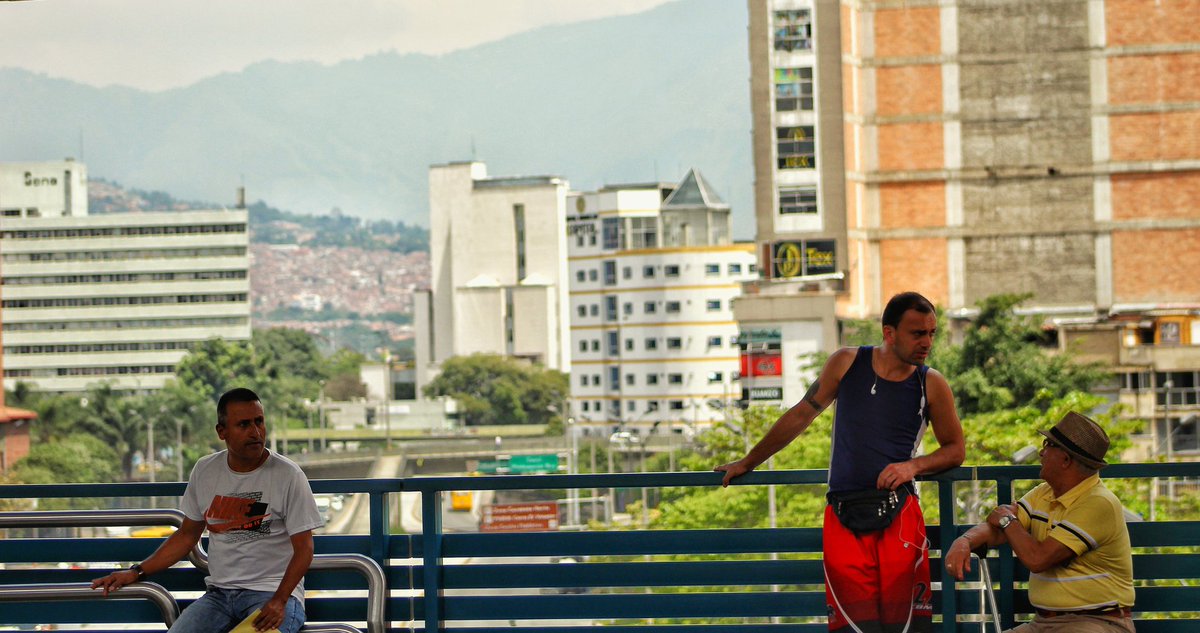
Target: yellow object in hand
247,625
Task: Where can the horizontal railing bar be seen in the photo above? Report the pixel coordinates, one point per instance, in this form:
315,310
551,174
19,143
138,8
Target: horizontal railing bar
634,605
715,573
71,592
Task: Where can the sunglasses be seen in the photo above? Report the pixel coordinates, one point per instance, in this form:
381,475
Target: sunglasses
1049,443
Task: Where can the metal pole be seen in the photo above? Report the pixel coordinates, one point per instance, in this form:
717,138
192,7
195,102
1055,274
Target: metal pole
179,449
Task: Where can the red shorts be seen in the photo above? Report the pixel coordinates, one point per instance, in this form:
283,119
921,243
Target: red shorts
879,581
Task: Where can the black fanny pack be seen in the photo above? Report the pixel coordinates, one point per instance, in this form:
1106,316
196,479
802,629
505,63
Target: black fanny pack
867,510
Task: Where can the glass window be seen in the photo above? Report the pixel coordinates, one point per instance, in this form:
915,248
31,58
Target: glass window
643,232
630,380
582,310
627,272
648,272
712,270
672,306
610,273
793,30
795,148
614,377
629,345
712,305
595,345
715,377
612,343
581,275
714,341
793,89
631,406
627,308
585,405
735,269
583,380
674,342
610,308
675,379
651,406
594,309
593,275
651,343
798,200
670,270
611,227
651,379
676,405
583,348
649,307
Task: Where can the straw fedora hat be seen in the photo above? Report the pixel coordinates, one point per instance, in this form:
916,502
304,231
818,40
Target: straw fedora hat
1080,436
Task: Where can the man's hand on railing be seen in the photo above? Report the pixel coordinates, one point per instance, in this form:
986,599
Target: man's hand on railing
958,558
116,580
732,470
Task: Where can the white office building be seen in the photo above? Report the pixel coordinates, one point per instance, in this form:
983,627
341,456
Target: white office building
43,190
117,298
498,270
653,277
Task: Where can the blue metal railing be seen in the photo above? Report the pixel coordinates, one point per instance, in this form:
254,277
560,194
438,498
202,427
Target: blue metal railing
722,580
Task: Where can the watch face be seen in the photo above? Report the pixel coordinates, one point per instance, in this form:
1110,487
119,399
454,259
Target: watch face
1004,521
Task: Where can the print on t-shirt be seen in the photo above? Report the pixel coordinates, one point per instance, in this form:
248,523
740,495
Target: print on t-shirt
241,516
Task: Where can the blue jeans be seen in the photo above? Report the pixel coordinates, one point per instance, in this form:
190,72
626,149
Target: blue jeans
219,610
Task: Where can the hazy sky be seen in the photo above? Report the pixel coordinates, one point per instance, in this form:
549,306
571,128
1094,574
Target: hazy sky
158,44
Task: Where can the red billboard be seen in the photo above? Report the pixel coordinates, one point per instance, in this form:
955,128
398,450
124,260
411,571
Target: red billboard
762,364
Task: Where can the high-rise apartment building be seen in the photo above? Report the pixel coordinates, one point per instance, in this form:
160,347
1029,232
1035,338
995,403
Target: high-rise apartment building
498,260
653,277
799,196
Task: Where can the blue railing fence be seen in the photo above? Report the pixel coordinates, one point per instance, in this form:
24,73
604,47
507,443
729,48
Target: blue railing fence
630,579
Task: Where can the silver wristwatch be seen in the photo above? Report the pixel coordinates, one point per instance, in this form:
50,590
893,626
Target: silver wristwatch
1005,521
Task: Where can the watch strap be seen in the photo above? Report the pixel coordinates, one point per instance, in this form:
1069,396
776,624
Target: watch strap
137,567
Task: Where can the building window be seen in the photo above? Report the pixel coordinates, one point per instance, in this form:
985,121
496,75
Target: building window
798,200
614,377
627,272
613,339
674,342
585,405
582,311
595,345
583,348
583,380
651,379
581,275
519,228
793,89
672,306
610,273
793,30
712,270
627,308
735,269
671,270
643,232
648,272
594,309
616,408
675,379
794,147
649,307
651,406
629,345
630,380
712,305
715,377
611,228
596,383
675,405
714,341
610,308
596,406
631,406
651,343
593,275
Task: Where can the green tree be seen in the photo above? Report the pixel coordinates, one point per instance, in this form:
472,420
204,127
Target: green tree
493,389
1002,362
78,458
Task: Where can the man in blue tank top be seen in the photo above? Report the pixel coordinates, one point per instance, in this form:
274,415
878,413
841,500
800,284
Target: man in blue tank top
875,550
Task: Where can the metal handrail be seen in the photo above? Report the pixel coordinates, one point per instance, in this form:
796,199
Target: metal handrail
104,518
60,591
370,570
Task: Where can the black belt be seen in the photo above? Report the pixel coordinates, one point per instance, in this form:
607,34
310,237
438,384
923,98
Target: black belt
1108,612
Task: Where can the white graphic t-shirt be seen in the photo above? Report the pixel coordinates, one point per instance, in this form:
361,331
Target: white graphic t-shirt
250,518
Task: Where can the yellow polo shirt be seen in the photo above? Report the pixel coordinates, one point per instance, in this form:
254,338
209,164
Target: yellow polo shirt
1089,520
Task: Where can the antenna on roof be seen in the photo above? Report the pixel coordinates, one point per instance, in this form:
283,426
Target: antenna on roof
473,156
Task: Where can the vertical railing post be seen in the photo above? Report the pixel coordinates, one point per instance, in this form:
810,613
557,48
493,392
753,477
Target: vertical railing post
1004,485
380,529
948,532
431,534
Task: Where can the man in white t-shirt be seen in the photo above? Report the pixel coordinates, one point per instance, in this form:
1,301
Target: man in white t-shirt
260,513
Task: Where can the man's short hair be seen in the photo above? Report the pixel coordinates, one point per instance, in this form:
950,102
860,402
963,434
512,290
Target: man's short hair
903,302
237,394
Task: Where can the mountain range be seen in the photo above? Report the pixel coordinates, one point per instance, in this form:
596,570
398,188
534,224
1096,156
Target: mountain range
633,98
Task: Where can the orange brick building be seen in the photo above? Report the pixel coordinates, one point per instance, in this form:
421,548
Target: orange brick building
1013,146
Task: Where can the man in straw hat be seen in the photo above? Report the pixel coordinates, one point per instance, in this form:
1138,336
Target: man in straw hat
1070,532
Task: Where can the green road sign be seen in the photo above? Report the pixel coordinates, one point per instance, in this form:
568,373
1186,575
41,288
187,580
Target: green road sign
523,464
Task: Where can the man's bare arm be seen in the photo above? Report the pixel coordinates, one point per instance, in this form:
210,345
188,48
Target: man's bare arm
792,423
173,550
271,614
952,449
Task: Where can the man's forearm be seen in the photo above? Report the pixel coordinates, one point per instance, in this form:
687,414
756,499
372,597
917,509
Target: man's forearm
301,560
944,458
982,534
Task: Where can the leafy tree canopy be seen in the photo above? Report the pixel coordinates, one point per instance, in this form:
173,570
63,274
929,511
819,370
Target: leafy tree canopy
493,389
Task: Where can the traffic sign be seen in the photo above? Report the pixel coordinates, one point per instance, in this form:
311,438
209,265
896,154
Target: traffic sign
539,516
523,464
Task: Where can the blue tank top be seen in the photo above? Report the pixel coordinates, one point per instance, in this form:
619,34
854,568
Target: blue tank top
872,430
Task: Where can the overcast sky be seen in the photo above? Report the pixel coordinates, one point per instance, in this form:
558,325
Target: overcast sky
158,44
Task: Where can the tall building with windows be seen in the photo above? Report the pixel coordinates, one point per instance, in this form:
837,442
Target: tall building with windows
43,190
799,196
498,269
117,298
653,276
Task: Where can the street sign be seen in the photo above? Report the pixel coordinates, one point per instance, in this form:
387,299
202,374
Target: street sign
524,464
539,516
